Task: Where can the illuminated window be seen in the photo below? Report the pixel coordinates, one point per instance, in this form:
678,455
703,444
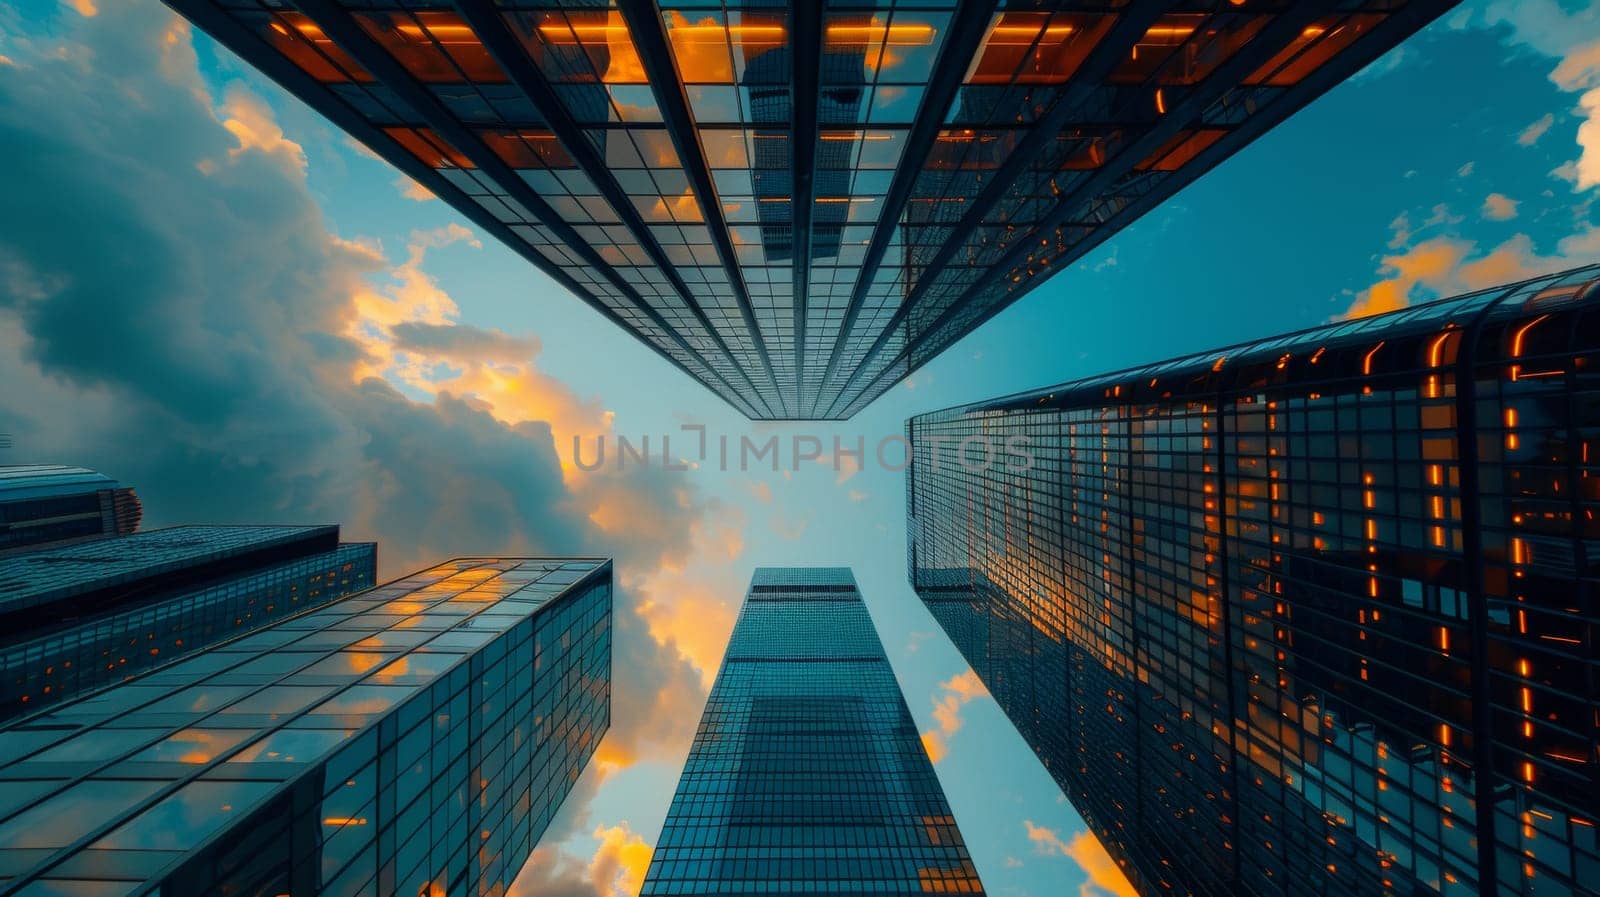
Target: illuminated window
903,49
731,48
1313,47
1036,48
1183,48
304,44
581,46
528,148
429,147
435,47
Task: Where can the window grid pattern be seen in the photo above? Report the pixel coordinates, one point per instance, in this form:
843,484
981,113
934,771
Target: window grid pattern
992,209
1275,562
415,738
807,774
44,504
115,646
978,253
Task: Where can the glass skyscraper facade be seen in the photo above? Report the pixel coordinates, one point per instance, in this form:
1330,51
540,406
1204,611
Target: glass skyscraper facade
1310,615
49,504
414,739
807,774
87,614
799,204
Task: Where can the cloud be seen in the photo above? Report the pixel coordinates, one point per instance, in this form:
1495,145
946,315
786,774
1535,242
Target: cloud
1045,840
1466,170
1440,215
761,491
462,341
1586,168
1531,134
1104,879
1572,38
252,124
410,189
1447,265
616,868
953,694
619,865
1499,207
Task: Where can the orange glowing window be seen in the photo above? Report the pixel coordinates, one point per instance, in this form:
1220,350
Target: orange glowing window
1181,149
901,50
528,148
1036,48
1312,48
303,43
859,30
1183,48
429,148
602,35
436,47
720,49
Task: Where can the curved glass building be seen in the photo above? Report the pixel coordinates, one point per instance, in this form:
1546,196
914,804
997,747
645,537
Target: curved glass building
1308,615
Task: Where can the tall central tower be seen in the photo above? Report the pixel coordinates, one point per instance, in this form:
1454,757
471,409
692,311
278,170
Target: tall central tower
807,774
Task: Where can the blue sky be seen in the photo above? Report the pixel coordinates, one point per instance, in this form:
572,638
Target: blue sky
1466,158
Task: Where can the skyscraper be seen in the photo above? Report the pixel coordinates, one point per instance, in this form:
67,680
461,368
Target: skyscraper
414,739
807,775
77,616
799,204
1309,615
48,504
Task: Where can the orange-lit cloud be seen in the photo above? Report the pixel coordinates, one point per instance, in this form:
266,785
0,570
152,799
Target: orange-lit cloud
692,613
251,122
1430,262
1104,878
1448,265
1499,207
954,693
410,189
619,863
406,327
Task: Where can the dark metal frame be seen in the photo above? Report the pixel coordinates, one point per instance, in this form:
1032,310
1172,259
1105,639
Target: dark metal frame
507,50
1352,59
805,53
966,31
650,42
